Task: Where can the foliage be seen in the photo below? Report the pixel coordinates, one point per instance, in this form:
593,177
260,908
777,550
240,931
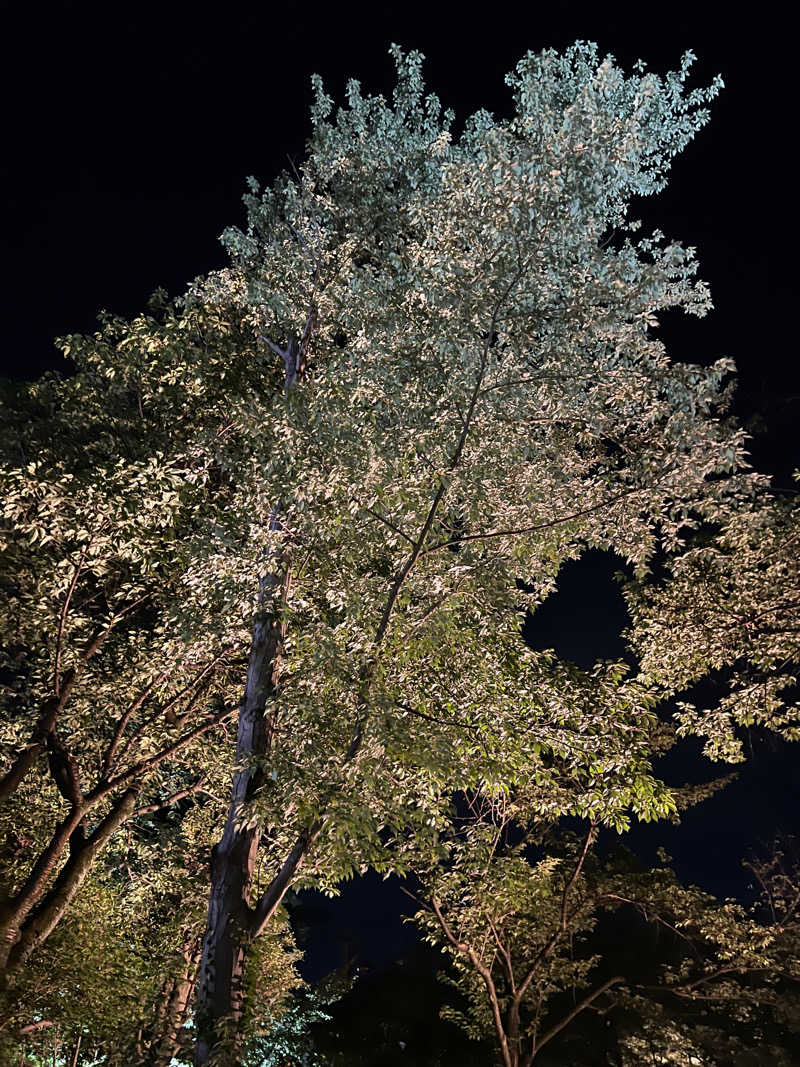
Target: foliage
520,906
287,1039
728,608
483,400
116,682
467,392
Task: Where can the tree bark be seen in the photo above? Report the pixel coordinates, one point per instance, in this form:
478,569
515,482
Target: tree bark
220,992
15,911
11,780
49,912
173,1010
231,921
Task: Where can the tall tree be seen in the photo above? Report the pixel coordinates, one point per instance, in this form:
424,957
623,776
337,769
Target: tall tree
117,680
473,394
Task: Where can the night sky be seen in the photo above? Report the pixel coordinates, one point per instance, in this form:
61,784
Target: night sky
129,131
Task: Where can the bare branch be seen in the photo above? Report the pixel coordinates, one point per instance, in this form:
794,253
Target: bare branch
106,787
563,918
581,1006
387,522
125,718
161,805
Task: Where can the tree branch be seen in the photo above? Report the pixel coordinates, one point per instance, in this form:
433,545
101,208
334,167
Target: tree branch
563,919
108,786
180,795
486,975
554,1030
11,780
125,718
49,912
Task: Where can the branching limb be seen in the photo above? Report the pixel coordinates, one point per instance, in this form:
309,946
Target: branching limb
581,1006
162,805
134,772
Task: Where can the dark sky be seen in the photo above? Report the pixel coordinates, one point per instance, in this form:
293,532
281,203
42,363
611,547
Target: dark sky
129,130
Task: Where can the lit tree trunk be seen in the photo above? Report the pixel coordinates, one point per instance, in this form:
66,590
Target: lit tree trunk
229,925
16,909
232,922
173,1010
31,916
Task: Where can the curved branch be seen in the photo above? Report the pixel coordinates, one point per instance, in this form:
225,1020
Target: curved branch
554,1030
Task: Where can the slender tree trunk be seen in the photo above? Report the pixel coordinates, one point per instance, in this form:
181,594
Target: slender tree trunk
231,922
28,918
15,911
220,992
173,1010
512,1032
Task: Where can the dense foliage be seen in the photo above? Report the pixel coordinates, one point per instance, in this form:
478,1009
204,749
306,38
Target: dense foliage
330,479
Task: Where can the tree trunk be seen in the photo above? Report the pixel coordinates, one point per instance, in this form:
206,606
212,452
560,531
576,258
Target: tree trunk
173,1010
220,992
15,911
231,922
21,931
512,1032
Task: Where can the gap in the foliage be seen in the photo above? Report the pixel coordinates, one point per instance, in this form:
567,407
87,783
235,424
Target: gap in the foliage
357,932
716,835
584,618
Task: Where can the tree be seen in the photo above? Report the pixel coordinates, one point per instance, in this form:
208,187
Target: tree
117,681
114,982
519,906
727,610
427,375
472,396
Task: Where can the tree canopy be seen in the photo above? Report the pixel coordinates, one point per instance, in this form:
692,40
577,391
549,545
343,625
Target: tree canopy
308,502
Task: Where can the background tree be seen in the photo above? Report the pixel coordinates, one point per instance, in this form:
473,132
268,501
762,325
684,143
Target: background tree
114,983
117,681
727,612
520,907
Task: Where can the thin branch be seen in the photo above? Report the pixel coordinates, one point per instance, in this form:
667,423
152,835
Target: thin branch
652,916
163,804
31,1028
62,619
125,718
166,711
504,954
486,975
387,522
563,918
554,1030
433,718
142,766
513,532
460,946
